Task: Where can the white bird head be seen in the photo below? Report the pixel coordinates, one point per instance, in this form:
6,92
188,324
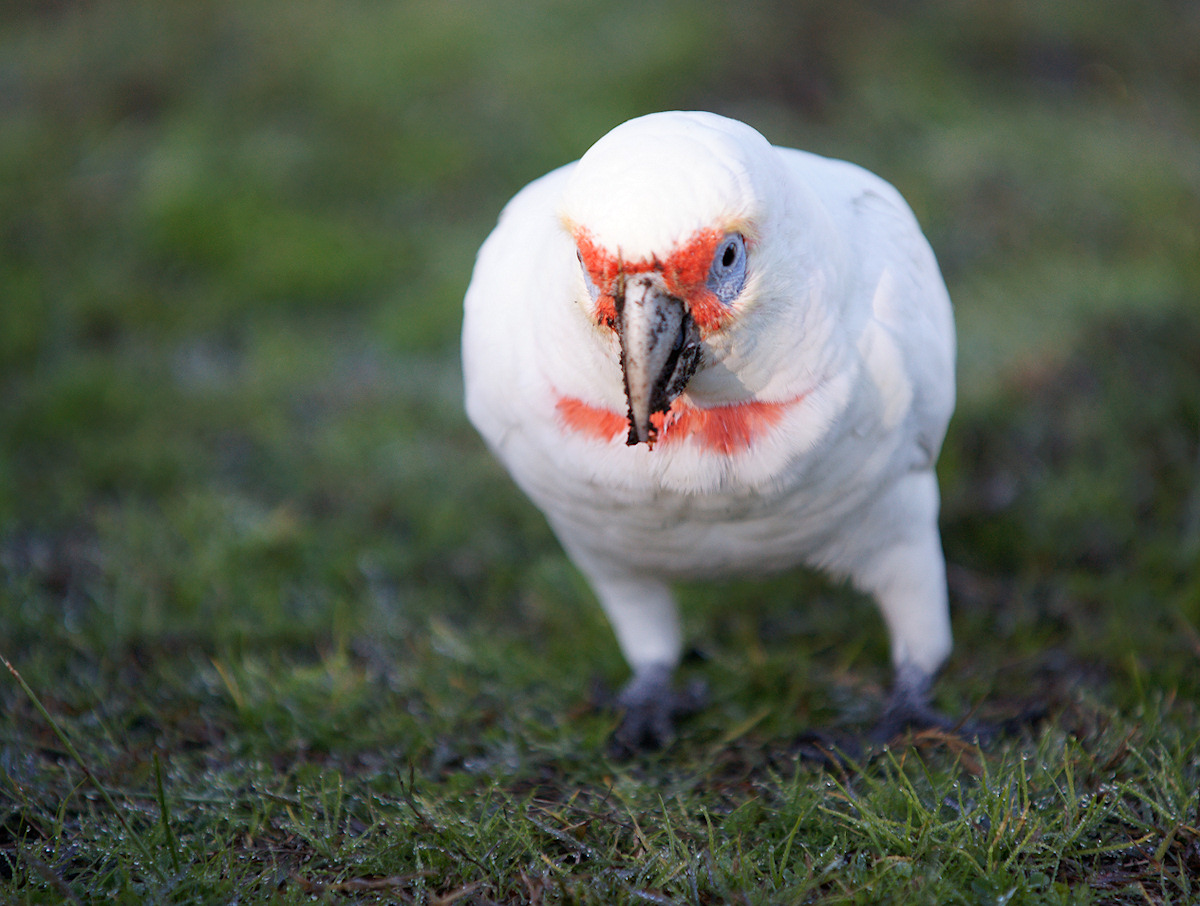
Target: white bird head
671,214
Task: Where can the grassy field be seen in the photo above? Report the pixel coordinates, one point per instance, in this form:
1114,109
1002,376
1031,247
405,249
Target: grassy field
297,637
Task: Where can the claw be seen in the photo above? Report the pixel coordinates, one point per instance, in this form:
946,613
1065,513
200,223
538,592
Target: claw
908,708
650,706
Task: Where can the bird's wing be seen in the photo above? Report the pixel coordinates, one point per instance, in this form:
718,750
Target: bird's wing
513,309
911,307
895,309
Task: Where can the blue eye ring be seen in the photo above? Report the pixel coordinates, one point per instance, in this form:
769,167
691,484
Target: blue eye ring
593,290
727,275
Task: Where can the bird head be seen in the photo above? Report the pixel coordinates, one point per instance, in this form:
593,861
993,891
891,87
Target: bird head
668,213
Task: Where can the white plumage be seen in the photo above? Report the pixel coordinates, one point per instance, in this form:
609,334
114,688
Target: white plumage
700,355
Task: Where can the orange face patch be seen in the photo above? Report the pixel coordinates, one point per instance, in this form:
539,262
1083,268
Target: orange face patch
684,273
720,429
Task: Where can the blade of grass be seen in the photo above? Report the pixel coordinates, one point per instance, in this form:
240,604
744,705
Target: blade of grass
172,846
95,781
787,850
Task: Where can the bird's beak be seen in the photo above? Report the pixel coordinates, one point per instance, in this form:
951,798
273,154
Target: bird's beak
660,350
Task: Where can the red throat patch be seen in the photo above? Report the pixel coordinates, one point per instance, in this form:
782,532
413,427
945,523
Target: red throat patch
720,429
684,272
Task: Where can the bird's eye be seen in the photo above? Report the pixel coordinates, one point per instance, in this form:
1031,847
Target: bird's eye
727,275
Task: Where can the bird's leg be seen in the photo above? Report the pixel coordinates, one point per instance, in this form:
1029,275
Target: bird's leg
642,612
908,706
650,704
907,577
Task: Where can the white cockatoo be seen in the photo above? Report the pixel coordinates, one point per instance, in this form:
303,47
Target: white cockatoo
702,355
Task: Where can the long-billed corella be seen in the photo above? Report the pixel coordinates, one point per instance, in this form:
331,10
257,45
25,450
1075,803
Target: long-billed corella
702,355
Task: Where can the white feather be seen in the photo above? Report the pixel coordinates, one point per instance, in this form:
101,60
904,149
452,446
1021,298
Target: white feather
843,310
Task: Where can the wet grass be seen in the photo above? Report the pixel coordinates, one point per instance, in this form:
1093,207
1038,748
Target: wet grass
313,645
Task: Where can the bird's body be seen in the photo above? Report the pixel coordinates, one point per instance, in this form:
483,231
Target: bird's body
700,355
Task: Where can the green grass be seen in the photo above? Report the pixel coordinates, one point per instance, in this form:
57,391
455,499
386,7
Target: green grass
313,645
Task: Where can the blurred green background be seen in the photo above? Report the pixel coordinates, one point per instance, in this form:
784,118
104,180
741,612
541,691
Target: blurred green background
234,238
244,523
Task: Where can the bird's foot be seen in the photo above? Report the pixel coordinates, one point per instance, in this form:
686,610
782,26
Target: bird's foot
832,748
649,705
908,708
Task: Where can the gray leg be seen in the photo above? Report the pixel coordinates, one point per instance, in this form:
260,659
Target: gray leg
643,616
906,574
650,705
